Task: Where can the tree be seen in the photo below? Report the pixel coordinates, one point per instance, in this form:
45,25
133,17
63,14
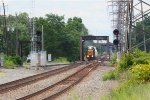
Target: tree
137,35
61,39
74,28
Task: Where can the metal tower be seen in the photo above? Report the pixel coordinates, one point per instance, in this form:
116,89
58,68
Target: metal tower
125,14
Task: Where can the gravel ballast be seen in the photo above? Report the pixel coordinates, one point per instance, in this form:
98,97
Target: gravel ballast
92,87
18,73
23,91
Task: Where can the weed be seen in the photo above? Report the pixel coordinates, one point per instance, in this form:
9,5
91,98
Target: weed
111,75
61,59
130,92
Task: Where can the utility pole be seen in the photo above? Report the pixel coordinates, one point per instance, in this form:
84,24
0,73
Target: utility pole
5,31
143,25
42,39
3,37
17,40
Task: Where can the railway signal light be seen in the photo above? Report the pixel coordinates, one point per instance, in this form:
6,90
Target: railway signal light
38,39
116,42
116,33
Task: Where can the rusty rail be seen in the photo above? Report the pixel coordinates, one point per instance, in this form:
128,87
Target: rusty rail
32,79
60,87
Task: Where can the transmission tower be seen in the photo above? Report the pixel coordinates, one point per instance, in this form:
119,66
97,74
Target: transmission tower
125,14
33,35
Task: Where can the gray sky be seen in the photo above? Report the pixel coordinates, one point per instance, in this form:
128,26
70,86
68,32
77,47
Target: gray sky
94,13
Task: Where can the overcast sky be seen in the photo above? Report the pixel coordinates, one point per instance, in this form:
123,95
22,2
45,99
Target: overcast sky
94,13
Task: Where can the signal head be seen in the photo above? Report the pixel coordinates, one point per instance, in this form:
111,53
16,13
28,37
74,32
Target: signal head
116,32
116,42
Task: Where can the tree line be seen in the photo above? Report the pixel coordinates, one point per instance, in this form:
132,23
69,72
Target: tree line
61,37
137,36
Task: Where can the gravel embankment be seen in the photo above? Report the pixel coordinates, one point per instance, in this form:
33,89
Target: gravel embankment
18,73
13,95
92,87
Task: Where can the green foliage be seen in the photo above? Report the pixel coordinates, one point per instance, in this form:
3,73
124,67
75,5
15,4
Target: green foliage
61,59
12,61
129,89
126,61
9,64
24,37
135,81
130,92
141,57
141,72
17,60
114,59
111,75
137,35
61,38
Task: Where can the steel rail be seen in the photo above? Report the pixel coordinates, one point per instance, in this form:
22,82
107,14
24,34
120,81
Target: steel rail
32,79
60,87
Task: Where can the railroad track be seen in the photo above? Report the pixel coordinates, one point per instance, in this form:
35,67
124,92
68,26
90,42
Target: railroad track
51,92
7,87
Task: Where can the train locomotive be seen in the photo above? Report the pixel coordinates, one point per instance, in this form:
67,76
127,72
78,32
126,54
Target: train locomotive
91,53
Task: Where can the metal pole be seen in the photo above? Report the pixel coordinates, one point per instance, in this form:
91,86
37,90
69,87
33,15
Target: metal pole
42,38
130,27
81,48
17,42
3,38
5,31
143,25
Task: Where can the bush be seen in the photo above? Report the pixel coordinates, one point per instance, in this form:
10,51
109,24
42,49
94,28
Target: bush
114,60
61,59
130,92
15,59
141,57
126,61
133,88
141,60
141,72
111,75
9,64
12,61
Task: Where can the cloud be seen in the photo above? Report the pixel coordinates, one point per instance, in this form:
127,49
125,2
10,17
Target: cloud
93,12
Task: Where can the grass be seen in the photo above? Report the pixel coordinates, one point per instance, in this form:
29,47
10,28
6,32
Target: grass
8,64
26,65
129,89
112,75
62,60
2,74
130,92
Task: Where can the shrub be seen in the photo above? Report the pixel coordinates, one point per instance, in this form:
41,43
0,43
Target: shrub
16,59
141,72
9,64
61,59
130,92
114,59
141,57
111,75
126,61
12,61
